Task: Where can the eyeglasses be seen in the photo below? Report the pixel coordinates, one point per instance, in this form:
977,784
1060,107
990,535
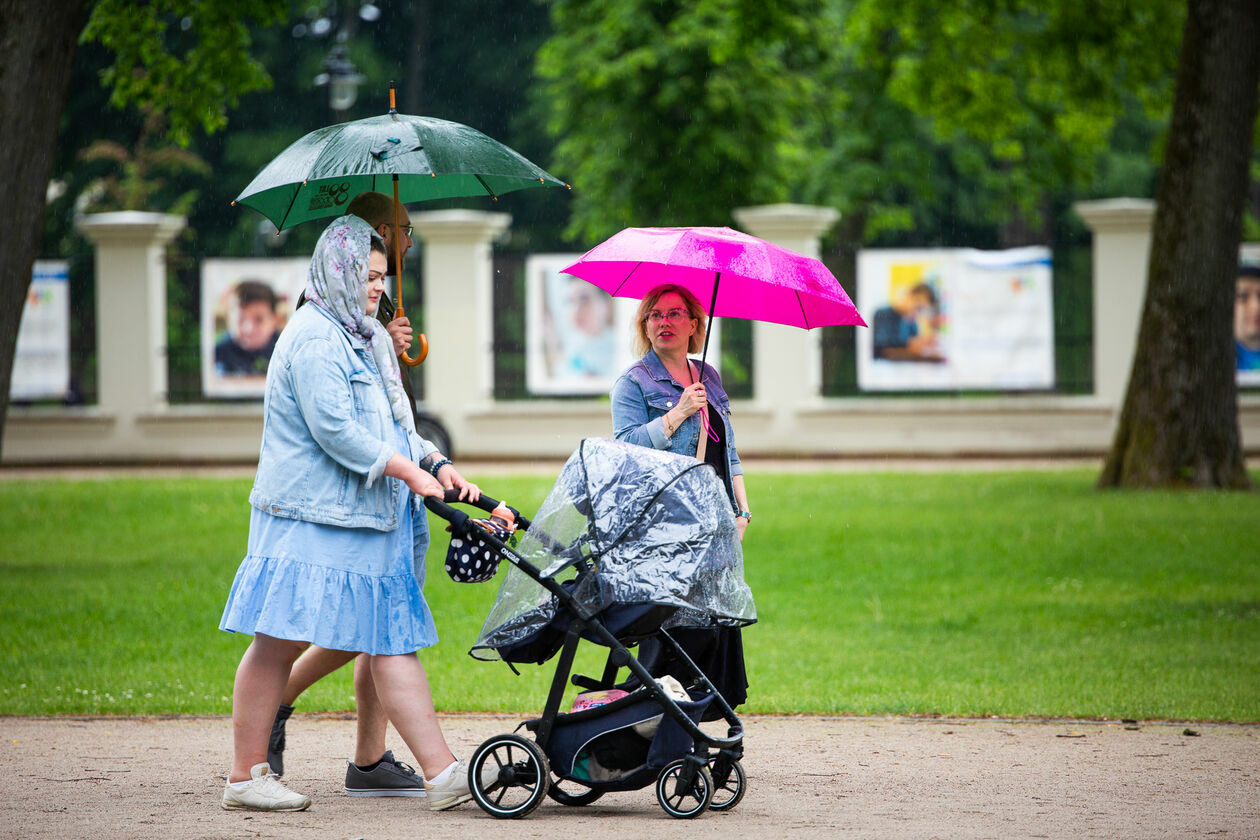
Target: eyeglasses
656,315
407,229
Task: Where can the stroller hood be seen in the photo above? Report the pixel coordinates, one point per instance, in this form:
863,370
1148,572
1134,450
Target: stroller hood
654,528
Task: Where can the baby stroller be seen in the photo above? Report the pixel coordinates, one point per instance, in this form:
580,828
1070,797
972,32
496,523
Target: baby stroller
629,543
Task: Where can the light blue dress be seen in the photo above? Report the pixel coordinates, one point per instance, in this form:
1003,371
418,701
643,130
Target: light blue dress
354,589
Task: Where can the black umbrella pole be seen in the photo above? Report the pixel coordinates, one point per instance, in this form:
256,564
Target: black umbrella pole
708,330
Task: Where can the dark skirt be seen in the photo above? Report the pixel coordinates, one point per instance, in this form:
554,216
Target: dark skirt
718,653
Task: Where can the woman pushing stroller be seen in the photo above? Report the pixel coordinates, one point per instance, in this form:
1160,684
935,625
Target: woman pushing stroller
336,536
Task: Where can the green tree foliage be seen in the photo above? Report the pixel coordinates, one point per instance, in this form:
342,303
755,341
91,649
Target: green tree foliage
187,58
675,112
944,120
1040,85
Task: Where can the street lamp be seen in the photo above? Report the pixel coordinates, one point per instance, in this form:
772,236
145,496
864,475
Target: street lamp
341,77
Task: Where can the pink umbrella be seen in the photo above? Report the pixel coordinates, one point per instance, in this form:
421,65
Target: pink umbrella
740,275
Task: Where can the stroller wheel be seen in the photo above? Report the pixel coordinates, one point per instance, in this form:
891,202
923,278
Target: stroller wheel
729,783
681,802
577,796
523,776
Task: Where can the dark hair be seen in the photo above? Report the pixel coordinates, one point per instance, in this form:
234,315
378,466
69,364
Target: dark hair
378,245
256,291
1251,272
927,291
372,207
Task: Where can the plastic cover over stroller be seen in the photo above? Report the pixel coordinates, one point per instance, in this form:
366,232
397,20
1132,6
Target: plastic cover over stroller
659,532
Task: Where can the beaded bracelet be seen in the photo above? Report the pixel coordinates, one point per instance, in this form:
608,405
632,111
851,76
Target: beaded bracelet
437,465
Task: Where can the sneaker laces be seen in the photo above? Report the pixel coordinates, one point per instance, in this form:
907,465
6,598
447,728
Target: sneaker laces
406,768
270,785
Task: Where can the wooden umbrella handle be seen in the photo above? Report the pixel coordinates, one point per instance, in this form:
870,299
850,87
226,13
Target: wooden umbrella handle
424,346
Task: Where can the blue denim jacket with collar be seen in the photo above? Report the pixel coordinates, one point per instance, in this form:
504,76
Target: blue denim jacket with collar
327,431
646,391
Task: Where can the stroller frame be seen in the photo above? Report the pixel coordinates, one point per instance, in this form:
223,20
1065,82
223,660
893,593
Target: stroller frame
709,777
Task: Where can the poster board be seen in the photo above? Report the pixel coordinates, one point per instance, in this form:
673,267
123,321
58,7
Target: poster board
950,319
244,305
41,360
577,336
1246,322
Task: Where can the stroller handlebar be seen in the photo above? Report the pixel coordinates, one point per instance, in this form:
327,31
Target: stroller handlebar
442,507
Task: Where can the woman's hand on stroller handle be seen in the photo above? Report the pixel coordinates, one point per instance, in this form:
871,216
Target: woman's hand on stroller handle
443,508
452,481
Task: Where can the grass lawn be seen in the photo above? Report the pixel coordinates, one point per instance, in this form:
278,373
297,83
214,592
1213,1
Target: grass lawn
1010,594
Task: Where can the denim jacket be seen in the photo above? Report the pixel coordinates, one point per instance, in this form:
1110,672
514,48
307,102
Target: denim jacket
327,431
646,391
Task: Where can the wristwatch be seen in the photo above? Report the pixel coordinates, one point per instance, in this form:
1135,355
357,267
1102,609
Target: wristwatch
747,514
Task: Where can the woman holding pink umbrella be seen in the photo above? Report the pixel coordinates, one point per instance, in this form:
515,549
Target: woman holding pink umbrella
666,401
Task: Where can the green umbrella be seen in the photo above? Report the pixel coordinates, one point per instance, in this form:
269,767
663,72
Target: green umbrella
419,158
316,177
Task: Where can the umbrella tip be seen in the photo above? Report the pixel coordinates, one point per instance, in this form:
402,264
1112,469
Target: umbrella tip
233,204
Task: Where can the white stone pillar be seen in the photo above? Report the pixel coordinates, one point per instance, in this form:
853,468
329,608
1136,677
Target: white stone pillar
1122,246
130,308
458,316
787,362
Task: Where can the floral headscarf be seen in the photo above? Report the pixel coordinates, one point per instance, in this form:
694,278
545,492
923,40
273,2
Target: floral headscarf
337,283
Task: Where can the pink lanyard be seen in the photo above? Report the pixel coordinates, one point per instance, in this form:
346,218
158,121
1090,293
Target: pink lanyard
705,424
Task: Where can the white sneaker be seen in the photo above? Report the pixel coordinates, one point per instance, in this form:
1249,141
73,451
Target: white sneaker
265,792
454,790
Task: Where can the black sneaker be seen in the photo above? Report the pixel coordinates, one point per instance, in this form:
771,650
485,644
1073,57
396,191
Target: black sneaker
387,778
275,746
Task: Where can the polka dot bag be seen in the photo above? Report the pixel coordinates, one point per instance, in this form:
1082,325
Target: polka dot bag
472,559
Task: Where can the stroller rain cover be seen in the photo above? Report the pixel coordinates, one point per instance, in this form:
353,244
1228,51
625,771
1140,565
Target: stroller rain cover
657,528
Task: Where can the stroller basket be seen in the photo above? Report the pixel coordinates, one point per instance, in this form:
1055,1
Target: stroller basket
621,745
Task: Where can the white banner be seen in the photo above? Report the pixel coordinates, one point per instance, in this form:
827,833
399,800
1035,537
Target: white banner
41,363
244,305
956,318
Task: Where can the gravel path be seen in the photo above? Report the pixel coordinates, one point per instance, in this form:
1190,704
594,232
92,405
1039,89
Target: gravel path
809,777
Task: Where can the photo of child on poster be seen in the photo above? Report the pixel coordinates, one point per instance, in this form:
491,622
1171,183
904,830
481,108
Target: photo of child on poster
253,325
1247,325
907,327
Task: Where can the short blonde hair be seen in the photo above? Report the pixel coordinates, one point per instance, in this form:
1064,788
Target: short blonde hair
694,310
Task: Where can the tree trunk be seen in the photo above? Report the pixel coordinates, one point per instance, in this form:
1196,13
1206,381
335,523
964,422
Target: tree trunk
38,43
1179,423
